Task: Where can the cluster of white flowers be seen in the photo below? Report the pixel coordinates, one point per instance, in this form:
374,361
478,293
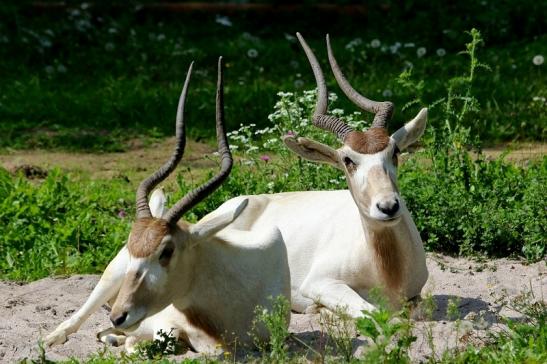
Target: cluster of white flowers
394,48
353,44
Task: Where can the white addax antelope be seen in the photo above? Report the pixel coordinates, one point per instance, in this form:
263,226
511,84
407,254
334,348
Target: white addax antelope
343,243
202,281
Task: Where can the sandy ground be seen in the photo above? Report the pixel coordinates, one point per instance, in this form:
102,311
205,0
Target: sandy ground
31,310
140,161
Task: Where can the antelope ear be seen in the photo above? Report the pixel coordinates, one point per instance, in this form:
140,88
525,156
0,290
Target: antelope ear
313,151
411,131
157,203
208,227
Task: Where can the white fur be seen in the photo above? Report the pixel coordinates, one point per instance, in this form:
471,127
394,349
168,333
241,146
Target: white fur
331,257
224,272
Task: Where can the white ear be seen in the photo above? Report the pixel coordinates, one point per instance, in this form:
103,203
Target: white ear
313,151
204,229
157,203
411,131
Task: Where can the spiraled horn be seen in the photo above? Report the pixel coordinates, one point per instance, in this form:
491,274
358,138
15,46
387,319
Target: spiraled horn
320,117
195,196
383,110
143,210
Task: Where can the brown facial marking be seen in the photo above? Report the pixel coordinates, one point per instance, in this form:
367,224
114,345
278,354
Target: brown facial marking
146,236
199,319
389,258
371,141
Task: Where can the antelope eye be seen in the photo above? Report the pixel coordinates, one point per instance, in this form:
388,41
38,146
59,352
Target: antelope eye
394,158
166,255
348,162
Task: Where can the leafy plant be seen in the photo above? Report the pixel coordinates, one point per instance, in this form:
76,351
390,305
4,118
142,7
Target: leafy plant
275,322
165,344
390,333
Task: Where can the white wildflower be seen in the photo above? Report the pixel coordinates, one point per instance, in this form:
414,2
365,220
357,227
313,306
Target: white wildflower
420,52
252,53
223,20
441,52
160,37
538,60
375,43
387,93
409,45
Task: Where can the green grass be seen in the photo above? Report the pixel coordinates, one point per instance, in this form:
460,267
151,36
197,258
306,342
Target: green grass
463,204
94,79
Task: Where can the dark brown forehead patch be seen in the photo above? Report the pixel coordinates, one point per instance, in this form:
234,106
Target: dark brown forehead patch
371,141
146,236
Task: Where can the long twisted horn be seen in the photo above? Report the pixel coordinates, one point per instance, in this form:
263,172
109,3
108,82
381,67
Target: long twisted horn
143,210
195,196
382,110
320,117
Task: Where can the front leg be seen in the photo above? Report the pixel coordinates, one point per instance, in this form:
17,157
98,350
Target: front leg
335,295
106,289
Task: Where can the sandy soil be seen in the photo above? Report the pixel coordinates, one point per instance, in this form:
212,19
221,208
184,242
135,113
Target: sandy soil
32,310
138,162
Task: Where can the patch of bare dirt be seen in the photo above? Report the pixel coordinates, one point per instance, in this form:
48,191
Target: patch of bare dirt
138,162
32,310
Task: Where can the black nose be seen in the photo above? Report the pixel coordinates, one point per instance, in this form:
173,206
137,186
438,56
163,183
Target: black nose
117,321
389,207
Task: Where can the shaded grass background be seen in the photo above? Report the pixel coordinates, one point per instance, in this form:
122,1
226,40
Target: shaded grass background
96,77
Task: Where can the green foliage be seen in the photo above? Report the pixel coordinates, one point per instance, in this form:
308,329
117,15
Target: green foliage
462,202
166,344
524,340
339,328
94,78
275,322
390,333
60,226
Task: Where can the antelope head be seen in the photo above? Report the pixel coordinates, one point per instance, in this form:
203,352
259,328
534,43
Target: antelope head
368,158
158,246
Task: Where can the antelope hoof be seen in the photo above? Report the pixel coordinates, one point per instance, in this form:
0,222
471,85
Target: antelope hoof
111,337
57,337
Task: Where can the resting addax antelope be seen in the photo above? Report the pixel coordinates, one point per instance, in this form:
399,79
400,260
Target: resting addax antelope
343,243
202,281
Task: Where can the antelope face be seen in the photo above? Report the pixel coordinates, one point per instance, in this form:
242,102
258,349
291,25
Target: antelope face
369,161
145,289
